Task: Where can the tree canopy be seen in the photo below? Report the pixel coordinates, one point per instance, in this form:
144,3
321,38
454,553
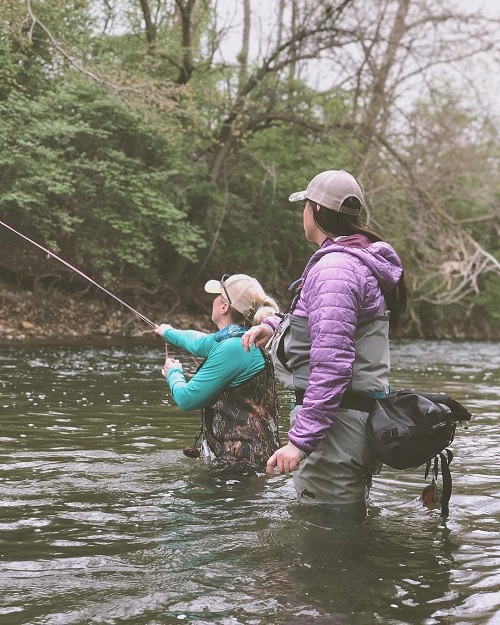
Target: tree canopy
154,143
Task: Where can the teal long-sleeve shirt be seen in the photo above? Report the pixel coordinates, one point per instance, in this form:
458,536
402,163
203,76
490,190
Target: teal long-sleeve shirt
227,364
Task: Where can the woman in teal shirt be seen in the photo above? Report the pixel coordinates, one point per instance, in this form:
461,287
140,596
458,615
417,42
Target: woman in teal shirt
235,389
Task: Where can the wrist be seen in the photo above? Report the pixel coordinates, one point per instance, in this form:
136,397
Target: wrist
267,326
301,451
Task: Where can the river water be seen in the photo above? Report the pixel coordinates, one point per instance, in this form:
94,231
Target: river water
104,520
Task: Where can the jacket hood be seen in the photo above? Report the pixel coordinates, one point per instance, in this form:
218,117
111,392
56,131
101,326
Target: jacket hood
379,257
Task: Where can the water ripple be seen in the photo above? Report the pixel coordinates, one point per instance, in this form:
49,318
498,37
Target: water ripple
103,520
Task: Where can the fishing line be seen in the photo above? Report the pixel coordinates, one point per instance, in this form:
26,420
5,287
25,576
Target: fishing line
133,310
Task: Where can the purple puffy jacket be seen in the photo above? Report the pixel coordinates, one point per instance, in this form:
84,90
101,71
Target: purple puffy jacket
342,288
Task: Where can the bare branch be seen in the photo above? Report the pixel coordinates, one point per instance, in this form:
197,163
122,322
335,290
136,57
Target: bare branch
36,22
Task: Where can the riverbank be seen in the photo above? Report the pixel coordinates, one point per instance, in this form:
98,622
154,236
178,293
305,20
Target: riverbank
25,315
54,315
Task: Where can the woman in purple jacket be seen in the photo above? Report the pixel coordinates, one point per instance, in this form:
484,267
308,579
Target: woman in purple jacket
332,347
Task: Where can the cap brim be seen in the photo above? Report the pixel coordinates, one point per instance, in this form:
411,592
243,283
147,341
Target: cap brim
297,197
213,286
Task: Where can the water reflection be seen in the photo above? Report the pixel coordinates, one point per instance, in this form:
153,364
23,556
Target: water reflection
103,520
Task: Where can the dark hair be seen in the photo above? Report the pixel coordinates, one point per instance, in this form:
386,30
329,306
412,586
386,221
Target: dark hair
335,224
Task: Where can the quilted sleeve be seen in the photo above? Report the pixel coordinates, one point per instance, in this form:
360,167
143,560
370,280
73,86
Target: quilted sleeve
331,298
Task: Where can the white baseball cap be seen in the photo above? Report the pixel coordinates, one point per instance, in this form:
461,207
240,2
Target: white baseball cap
242,292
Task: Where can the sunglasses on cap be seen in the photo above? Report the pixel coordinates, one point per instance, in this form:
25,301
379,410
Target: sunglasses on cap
221,282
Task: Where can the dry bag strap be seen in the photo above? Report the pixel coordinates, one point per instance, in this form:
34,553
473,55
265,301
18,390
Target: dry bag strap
446,457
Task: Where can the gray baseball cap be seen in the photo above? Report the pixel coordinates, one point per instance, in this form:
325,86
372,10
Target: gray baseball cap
330,189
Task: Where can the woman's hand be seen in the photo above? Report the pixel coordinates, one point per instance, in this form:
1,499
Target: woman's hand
169,364
285,459
257,335
161,328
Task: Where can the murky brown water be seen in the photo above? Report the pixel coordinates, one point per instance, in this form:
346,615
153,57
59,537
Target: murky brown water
103,520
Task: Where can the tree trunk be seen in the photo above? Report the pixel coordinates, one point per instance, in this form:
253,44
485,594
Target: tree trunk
186,12
150,26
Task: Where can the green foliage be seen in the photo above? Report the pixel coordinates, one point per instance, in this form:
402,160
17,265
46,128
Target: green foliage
26,45
8,69
275,163
487,302
91,178
139,179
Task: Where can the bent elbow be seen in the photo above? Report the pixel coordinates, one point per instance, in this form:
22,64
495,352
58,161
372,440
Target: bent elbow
186,403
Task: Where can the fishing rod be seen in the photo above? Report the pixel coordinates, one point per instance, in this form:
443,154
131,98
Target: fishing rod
133,310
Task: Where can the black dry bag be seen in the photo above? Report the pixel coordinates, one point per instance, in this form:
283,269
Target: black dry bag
408,429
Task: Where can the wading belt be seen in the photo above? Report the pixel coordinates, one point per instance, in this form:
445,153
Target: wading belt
353,401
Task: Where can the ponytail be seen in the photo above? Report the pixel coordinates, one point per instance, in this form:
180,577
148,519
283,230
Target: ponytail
261,309
266,308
